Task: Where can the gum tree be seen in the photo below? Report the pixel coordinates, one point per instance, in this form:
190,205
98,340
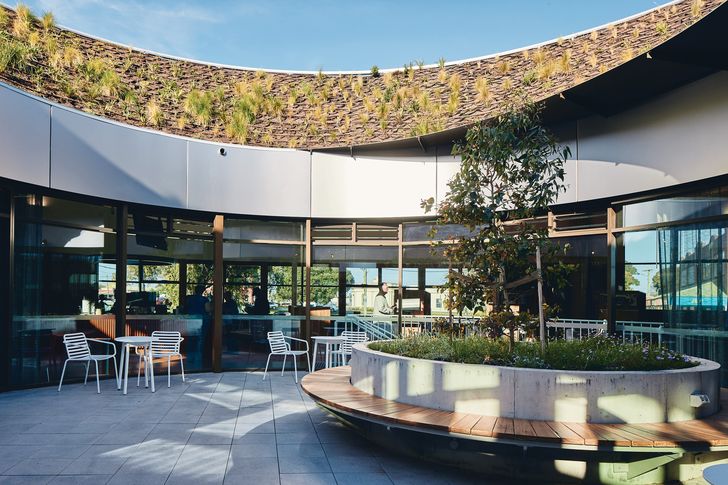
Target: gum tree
512,169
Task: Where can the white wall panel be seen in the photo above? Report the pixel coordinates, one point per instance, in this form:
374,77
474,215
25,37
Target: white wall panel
104,159
678,138
249,180
362,187
447,167
24,138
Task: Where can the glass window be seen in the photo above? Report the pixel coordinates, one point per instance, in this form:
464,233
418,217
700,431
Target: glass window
415,232
363,267
64,280
424,272
53,209
264,290
712,202
169,281
585,293
243,229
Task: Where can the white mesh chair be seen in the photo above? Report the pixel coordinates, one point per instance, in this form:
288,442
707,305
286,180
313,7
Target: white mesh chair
279,345
78,350
165,345
344,351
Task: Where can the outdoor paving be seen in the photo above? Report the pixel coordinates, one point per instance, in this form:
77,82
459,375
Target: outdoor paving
231,428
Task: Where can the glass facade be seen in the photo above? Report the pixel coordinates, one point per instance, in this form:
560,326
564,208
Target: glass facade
264,289
169,265
110,269
64,261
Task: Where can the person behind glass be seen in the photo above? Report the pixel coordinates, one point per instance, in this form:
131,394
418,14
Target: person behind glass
229,305
260,305
195,304
381,305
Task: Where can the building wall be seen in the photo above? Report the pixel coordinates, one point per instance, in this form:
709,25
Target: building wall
674,139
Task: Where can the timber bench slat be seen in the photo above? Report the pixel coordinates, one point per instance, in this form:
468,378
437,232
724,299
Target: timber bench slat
331,387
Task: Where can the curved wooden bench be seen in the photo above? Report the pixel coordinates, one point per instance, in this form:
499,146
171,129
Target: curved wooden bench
332,389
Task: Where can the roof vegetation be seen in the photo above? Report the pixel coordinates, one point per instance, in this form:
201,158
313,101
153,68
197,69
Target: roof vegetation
309,110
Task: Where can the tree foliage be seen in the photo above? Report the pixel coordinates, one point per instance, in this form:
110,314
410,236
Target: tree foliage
511,169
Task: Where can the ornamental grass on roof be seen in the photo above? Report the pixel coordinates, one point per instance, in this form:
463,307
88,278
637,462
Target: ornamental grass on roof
257,107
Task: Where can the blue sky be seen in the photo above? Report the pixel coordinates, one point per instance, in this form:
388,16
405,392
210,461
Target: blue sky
334,34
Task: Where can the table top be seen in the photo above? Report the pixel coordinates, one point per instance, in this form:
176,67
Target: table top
139,339
328,338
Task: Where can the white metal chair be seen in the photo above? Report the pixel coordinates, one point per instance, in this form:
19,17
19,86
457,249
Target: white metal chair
279,346
78,350
164,345
344,350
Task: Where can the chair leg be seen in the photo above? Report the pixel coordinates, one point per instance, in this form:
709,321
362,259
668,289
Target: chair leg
308,359
169,371
62,374
284,363
295,369
98,384
116,372
139,369
182,366
85,379
266,366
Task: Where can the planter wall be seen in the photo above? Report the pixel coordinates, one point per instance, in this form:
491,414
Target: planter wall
541,394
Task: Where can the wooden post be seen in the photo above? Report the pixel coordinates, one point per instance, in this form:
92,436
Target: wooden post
611,272
400,269
541,320
217,293
122,221
307,325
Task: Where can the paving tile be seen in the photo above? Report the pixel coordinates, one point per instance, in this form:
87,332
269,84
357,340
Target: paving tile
213,434
59,451
355,464
357,446
303,464
301,449
39,466
80,480
362,478
242,428
198,460
240,468
296,438
255,438
253,450
94,466
25,480
245,479
308,479
170,433
140,478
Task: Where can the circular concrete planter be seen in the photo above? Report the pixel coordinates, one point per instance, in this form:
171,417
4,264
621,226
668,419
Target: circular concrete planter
542,394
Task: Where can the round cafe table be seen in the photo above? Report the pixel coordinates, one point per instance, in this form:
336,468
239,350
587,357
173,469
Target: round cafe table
126,344
329,342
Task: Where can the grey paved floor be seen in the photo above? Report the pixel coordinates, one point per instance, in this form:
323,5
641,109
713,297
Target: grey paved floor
230,428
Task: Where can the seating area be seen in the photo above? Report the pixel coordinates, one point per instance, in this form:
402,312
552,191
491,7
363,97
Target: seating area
332,388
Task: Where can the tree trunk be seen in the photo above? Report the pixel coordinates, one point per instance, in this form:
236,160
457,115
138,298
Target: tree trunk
541,320
505,306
